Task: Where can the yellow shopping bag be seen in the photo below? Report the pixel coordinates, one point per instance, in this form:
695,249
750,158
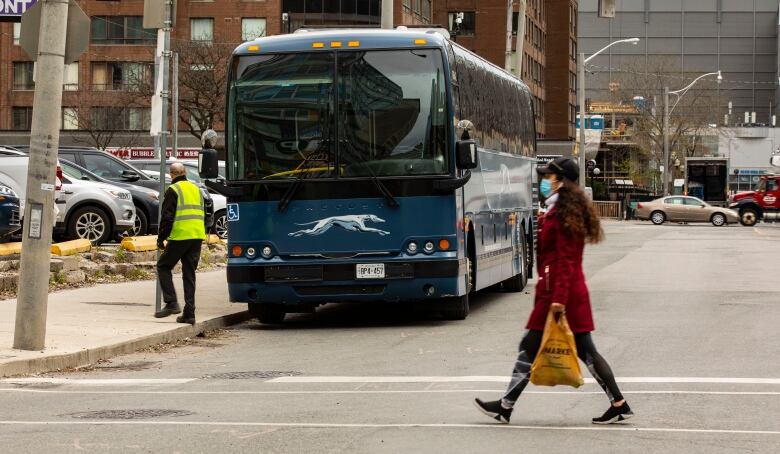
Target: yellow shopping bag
556,362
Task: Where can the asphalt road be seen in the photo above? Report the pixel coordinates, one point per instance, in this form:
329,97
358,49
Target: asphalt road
686,315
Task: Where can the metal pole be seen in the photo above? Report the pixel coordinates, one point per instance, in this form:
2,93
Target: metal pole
520,40
667,169
387,14
164,63
175,106
581,100
30,328
508,57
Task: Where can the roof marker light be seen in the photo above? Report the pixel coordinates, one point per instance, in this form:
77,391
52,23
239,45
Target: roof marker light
420,41
318,45
335,44
253,48
354,44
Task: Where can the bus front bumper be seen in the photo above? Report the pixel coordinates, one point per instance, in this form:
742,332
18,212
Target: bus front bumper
323,283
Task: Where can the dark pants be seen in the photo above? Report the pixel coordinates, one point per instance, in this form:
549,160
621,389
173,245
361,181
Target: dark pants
188,251
586,350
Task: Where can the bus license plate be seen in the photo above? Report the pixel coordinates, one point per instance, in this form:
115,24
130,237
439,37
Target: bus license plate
370,271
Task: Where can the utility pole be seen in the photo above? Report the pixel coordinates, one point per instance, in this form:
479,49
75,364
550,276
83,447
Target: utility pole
520,39
510,9
387,14
665,123
31,307
162,85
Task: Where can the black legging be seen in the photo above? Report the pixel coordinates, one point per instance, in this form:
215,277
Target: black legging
586,350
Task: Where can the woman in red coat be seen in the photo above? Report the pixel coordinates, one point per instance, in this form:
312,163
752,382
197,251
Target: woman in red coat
570,222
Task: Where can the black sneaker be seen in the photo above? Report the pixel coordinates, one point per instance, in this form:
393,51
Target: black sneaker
168,309
494,409
615,414
186,319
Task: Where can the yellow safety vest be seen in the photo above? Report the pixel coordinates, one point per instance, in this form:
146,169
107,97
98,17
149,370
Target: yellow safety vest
189,223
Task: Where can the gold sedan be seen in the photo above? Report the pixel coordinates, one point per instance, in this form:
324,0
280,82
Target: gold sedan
684,209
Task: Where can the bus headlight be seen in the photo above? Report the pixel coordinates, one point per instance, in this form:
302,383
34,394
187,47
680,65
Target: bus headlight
250,252
267,252
428,247
412,247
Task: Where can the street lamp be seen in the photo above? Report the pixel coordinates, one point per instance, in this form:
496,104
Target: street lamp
581,61
667,111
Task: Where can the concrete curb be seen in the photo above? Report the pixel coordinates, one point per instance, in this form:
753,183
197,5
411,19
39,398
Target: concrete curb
93,355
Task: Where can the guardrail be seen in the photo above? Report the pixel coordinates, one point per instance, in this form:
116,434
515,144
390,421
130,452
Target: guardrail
612,210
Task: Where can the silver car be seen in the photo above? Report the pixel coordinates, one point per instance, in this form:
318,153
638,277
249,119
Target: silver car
93,211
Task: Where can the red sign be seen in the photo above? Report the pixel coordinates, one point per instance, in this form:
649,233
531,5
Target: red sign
148,153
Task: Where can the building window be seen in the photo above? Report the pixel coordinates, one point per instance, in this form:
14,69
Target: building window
120,118
21,118
467,27
252,28
125,76
70,119
70,78
24,75
121,30
17,32
202,29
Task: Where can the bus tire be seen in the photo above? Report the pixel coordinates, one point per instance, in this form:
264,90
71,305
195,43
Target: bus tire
268,314
518,282
456,308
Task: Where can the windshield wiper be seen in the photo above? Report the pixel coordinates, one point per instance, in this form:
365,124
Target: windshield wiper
290,193
391,201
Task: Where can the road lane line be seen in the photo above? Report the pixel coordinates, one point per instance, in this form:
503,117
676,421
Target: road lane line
389,391
613,428
96,381
505,379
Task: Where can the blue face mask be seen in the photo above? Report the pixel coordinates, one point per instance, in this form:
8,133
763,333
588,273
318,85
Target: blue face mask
545,187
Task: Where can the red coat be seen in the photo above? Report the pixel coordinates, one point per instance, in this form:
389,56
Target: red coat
561,279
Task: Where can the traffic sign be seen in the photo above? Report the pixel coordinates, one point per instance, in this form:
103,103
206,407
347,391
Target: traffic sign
11,11
76,41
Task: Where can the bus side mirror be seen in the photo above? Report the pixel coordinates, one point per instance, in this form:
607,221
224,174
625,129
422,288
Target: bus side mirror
775,161
466,154
208,164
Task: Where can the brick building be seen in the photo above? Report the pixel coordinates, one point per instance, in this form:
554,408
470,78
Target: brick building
549,65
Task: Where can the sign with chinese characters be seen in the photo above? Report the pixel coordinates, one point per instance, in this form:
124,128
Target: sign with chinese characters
12,10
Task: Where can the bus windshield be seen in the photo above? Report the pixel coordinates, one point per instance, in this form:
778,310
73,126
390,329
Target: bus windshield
346,115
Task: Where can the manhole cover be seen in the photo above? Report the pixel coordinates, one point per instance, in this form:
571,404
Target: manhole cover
252,374
131,366
129,414
117,303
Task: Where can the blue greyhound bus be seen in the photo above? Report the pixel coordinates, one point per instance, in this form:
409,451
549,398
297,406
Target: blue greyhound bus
373,165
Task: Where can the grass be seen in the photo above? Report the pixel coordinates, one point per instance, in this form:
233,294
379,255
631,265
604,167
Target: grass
138,274
121,256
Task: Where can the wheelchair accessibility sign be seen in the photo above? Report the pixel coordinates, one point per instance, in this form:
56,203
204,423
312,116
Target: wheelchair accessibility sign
232,212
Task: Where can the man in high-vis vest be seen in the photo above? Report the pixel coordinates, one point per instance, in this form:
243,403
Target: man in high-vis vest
183,226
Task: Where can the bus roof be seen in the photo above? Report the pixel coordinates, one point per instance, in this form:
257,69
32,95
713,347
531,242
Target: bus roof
346,39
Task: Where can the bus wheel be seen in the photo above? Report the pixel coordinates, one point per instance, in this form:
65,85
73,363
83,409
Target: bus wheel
456,308
267,314
518,282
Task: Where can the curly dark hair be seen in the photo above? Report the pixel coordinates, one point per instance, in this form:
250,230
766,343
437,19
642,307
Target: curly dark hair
577,214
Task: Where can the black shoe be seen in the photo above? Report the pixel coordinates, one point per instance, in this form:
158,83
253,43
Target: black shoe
615,414
494,409
186,319
169,309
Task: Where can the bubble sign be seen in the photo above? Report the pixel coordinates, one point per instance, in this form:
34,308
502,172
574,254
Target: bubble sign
12,10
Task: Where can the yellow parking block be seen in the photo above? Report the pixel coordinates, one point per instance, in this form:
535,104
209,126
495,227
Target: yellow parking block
139,243
10,248
214,239
71,247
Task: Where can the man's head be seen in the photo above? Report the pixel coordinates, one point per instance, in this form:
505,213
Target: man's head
177,170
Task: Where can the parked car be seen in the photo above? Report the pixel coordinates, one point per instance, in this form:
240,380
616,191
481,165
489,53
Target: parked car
94,211
108,166
10,215
684,209
220,202
146,201
13,172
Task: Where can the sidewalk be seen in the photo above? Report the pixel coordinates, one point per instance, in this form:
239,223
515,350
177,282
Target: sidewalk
88,324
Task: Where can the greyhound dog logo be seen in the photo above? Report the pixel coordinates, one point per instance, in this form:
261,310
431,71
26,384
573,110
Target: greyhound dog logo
350,223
